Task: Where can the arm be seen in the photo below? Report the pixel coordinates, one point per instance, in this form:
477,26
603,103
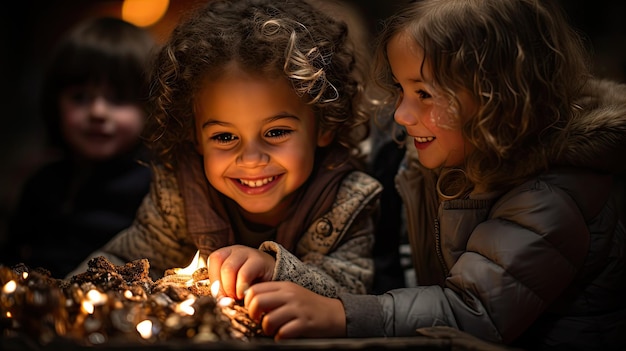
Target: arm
348,268
339,257
515,263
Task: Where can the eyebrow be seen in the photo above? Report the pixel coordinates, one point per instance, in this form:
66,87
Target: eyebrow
280,115
413,80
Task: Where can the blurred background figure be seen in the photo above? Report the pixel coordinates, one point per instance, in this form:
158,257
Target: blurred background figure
93,104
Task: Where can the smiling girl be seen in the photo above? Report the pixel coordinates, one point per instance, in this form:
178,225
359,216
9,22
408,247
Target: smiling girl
258,117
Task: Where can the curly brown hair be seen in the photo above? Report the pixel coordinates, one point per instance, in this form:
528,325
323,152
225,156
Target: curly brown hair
293,39
523,64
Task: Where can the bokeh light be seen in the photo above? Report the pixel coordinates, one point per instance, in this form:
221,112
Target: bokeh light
144,13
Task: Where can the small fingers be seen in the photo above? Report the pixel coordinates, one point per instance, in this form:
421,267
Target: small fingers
229,272
215,261
261,298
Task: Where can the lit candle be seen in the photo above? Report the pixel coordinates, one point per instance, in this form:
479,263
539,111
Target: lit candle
185,306
145,328
9,287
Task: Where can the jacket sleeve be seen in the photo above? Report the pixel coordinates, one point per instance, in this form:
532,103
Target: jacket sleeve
341,259
513,266
158,232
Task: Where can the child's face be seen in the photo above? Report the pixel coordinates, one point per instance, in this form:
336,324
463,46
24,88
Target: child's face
96,125
428,119
258,140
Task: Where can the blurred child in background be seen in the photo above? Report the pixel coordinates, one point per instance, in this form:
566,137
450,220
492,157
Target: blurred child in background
94,105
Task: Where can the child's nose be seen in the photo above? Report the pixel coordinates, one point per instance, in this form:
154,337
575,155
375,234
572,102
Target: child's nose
99,106
405,115
252,155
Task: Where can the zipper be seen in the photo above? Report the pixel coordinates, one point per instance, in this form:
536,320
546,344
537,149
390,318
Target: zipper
404,189
438,247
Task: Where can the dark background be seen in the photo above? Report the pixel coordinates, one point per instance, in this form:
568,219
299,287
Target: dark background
30,29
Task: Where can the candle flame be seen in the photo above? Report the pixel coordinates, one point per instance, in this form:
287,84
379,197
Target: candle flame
87,307
196,263
185,306
96,298
145,328
9,287
24,275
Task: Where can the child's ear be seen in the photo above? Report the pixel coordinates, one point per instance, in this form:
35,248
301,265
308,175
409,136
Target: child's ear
324,138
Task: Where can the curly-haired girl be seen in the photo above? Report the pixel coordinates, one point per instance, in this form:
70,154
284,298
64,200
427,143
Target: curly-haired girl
511,186
257,122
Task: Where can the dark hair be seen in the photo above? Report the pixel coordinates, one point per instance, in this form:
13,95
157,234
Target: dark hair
99,51
268,37
521,61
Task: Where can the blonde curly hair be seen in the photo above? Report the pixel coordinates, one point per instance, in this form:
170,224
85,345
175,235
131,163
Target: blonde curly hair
521,61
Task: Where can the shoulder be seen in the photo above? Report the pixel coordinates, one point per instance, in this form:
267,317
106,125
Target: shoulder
358,191
596,135
165,190
358,184
566,191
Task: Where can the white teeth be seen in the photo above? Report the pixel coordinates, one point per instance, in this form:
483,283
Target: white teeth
256,183
424,139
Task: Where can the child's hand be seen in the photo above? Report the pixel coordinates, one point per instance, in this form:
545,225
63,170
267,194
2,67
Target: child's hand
287,310
237,267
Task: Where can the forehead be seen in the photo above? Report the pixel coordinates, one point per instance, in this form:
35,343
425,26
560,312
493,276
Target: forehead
407,58
237,93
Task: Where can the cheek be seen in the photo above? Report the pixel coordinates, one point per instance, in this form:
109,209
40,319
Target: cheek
70,113
216,163
130,119
302,157
455,146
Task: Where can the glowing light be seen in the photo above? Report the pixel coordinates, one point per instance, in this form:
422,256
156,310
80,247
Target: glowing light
144,13
128,294
9,287
215,288
96,298
145,328
225,301
8,314
185,307
196,263
87,307
24,275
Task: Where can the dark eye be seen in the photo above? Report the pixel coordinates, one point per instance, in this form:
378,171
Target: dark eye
397,87
224,138
117,99
278,133
80,96
423,95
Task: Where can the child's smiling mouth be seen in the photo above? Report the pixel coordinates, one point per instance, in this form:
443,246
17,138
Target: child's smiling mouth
257,182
